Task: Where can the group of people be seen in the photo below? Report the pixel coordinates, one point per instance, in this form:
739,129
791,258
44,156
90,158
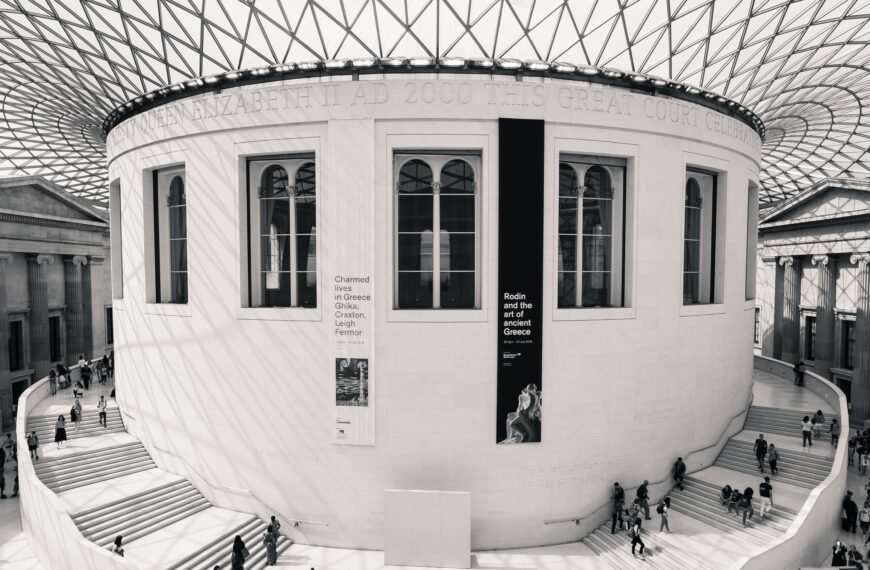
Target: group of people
75,415
859,444
629,519
811,428
763,451
103,369
740,503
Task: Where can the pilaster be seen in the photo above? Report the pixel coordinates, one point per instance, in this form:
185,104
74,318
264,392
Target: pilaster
861,373
72,280
7,420
826,284
38,289
791,295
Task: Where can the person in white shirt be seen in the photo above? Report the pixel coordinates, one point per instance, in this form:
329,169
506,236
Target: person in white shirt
807,431
82,362
101,407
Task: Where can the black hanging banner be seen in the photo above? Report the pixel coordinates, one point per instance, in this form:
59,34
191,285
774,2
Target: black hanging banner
520,279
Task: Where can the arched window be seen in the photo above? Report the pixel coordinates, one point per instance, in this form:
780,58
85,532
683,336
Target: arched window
284,254
436,241
177,204
589,248
699,238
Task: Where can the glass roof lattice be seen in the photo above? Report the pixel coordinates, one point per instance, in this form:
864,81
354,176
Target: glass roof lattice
803,66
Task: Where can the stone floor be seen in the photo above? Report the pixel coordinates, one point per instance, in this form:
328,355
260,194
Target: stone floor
15,551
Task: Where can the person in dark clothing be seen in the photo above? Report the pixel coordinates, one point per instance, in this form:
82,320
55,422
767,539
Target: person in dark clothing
618,501
734,502
839,552
725,495
634,534
834,430
799,369
772,458
851,510
679,472
855,558
643,495
760,451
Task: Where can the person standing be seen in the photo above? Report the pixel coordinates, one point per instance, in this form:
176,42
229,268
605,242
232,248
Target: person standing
8,448
664,509
634,534
52,382
617,503
765,491
760,451
797,373
116,546
59,431
101,407
807,431
851,510
839,552
834,430
746,504
853,445
105,368
643,495
679,472
276,526
772,458
33,445
74,417
864,519
271,543
240,554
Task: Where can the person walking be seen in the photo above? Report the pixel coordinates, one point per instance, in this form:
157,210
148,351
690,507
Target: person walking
270,541
853,445
52,382
60,431
33,445
807,431
679,472
74,417
851,510
240,554
634,535
772,458
116,546
760,451
864,519
798,374
633,512
746,504
617,503
276,525
834,430
101,407
765,491
643,495
818,421
664,509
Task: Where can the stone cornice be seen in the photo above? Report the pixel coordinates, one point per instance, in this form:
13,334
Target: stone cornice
38,220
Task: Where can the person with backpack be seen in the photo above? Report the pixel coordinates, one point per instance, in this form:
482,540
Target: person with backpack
679,472
772,458
765,491
664,509
807,431
33,445
633,512
643,495
760,451
240,554
634,535
617,504
834,430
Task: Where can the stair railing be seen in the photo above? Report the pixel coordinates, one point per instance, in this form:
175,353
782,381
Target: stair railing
239,491
607,504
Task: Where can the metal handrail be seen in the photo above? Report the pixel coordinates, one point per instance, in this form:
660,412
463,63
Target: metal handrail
577,519
240,491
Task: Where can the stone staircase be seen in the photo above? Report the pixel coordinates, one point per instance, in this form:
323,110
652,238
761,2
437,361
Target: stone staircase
793,467
662,550
77,470
89,426
785,422
219,552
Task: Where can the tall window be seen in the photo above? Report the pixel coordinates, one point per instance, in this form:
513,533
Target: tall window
751,240
283,232
757,325
116,234
810,336
848,359
16,345
591,231
110,327
177,204
436,232
169,283
54,339
699,238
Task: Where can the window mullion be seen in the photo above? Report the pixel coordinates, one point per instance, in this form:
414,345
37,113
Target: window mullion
578,256
294,290
436,247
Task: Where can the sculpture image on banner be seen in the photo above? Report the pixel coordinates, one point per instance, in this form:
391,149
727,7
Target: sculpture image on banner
524,425
351,381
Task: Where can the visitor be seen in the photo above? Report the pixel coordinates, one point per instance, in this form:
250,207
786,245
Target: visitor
855,558
240,554
760,451
271,543
818,421
59,431
860,455
617,503
104,369
2,484
634,535
112,363
74,417
116,546
276,525
725,494
864,519
850,509
865,461
101,407
634,512
33,445
839,552
772,458
81,361
643,495
78,389
765,491
807,431
8,448
797,373
62,375
853,445
679,472
86,375
734,503
834,430
52,382
746,504
664,509
15,484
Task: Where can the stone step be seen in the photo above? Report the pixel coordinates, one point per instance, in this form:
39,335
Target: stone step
215,548
120,504
741,466
127,469
60,472
111,518
62,459
146,520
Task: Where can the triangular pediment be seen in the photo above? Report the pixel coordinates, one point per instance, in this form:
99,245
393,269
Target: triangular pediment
37,197
833,199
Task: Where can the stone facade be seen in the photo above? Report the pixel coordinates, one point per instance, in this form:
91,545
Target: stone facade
814,285
51,246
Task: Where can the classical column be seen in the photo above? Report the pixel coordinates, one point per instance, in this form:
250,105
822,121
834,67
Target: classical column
826,290
38,323
791,297
72,281
87,313
7,420
861,372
